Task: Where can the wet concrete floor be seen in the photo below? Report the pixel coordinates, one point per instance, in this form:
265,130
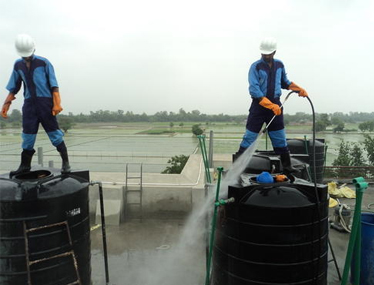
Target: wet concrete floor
150,252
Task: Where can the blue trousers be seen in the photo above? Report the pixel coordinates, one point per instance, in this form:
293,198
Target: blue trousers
256,118
37,111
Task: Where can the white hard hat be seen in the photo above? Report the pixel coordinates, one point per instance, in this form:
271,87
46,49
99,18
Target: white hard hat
25,45
268,46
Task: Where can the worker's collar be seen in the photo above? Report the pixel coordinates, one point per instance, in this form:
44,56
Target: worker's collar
270,64
272,60
29,58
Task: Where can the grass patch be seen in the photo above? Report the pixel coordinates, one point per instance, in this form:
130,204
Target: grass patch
156,132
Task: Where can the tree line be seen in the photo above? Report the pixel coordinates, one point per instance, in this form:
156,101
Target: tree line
161,116
337,122
354,159
323,120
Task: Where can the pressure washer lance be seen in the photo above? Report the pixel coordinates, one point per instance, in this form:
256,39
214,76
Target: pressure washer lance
281,106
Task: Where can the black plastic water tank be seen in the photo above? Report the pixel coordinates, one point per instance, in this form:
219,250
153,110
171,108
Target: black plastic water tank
300,146
270,162
272,234
38,212
263,162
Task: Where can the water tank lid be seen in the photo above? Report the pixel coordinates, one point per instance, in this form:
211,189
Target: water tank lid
278,197
41,184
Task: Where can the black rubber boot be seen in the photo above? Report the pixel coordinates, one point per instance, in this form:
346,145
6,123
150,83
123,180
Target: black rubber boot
237,154
25,166
241,150
61,148
286,163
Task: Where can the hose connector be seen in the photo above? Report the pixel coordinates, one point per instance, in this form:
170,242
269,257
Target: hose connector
360,183
221,202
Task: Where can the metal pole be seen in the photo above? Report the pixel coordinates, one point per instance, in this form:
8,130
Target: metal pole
266,141
40,156
104,233
210,159
206,193
334,259
103,229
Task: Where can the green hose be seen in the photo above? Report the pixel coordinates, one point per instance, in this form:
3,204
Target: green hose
208,180
205,157
216,205
354,244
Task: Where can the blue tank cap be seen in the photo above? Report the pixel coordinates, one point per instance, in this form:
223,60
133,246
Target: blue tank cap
265,177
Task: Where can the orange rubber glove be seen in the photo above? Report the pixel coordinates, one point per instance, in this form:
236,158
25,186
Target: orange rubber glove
266,103
280,178
56,109
301,91
6,105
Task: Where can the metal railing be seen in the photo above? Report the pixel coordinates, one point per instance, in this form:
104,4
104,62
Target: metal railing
347,172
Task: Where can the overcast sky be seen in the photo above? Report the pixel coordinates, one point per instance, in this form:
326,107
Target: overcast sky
149,56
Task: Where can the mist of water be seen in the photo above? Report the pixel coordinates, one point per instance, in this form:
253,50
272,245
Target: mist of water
175,267
238,167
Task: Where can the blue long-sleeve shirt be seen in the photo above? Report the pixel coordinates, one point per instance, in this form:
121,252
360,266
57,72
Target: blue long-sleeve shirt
38,80
266,81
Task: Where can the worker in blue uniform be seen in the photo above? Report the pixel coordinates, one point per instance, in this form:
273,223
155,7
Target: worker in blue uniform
267,77
41,102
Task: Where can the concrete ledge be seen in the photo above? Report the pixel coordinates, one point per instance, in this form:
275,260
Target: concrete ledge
112,211
222,160
164,195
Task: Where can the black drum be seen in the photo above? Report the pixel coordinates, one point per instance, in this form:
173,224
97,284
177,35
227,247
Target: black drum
300,146
45,228
274,233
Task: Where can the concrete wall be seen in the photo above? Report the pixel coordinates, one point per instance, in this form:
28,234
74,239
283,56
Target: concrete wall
164,195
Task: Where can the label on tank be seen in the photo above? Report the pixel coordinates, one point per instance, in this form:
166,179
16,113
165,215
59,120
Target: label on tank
73,212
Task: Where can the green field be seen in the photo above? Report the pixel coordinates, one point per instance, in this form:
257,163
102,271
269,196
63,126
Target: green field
110,146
